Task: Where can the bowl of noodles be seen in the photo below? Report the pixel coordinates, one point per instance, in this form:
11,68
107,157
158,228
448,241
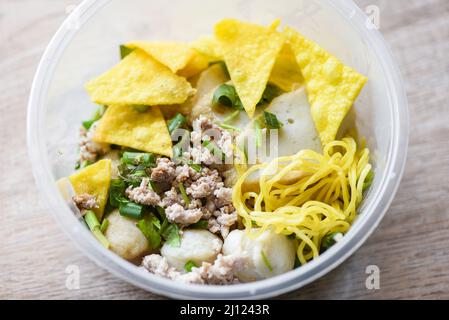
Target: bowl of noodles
241,156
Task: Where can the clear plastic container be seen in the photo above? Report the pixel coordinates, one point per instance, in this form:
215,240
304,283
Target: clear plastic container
87,44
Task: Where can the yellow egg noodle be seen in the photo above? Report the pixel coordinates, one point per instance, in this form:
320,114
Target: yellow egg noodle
324,199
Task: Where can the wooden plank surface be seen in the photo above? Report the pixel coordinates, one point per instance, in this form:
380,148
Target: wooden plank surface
410,247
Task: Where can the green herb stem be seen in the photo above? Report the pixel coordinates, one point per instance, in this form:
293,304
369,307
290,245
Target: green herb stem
185,197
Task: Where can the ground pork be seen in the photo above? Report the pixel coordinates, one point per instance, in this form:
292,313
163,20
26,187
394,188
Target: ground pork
90,150
223,197
158,265
223,220
164,173
143,194
85,202
205,130
205,185
176,213
221,272
185,173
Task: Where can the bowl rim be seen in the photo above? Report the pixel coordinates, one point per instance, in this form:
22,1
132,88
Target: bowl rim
297,278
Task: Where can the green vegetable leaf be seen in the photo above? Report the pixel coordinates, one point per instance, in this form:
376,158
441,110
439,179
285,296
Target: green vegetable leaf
139,158
176,122
269,94
150,232
202,224
117,192
329,240
271,121
226,95
131,174
171,235
124,51
97,116
189,265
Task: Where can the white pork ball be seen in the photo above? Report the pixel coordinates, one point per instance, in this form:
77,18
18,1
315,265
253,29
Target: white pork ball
125,238
267,255
196,245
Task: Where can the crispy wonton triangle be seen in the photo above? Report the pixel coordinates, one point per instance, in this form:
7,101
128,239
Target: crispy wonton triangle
139,80
250,52
94,180
145,131
331,86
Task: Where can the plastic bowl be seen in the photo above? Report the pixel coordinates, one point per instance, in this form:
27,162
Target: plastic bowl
87,44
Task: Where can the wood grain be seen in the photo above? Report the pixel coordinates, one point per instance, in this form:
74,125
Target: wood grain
411,245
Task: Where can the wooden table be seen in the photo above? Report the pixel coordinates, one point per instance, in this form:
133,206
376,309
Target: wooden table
411,245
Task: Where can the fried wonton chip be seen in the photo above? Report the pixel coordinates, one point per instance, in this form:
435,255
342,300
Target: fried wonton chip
125,126
286,73
250,52
174,55
331,86
196,65
209,46
139,80
179,57
94,180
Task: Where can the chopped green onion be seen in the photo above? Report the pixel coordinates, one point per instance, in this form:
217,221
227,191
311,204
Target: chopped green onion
232,116
271,121
229,127
226,95
131,210
368,180
101,238
176,122
266,261
194,166
214,149
104,225
83,164
147,227
97,116
88,124
182,145
202,224
95,228
189,265
141,108
269,94
91,220
171,235
124,51
153,186
116,192
139,158
184,194
329,240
